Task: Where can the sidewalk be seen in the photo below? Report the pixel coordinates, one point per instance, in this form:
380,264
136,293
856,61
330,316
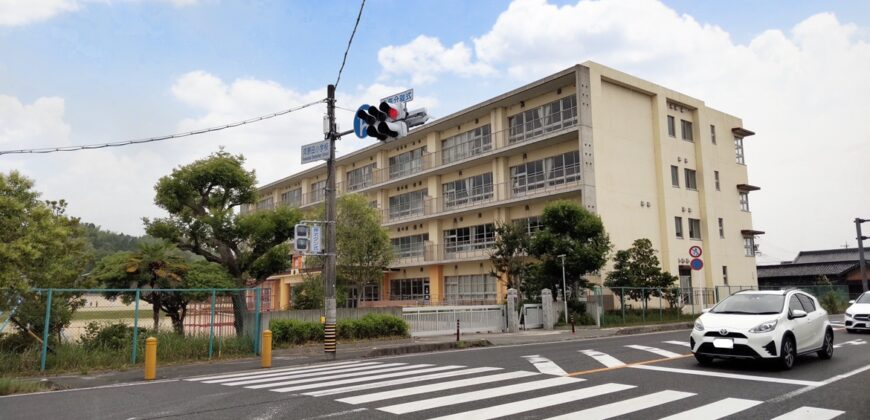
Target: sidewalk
313,353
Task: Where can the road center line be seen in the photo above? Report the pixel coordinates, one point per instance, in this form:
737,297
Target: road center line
730,375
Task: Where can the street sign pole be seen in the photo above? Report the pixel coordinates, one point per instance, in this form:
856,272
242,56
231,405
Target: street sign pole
329,344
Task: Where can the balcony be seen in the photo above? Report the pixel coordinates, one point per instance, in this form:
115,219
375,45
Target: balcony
431,253
531,186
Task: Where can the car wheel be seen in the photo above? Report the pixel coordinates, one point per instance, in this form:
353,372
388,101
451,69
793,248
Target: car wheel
788,353
703,360
827,350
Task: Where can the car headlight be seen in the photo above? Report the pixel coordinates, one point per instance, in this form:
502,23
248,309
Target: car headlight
848,314
698,325
764,327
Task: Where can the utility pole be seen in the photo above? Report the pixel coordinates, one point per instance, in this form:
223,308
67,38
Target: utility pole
861,238
329,346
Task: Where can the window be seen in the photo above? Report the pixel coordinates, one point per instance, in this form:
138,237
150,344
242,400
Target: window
266,204
360,177
716,179
478,288
407,204
554,170
713,133
691,181
318,192
686,130
530,224
469,238
409,246
672,129
721,228
675,176
794,304
409,289
694,229
807,302
556,115
744,201
749,246
738,148
678,224
292,198
467,191
407,163
469,143
725,274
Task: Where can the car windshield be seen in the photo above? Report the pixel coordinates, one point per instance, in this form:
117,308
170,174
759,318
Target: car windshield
865,298
750,304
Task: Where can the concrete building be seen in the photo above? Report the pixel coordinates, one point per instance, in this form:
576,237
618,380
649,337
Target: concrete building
652,162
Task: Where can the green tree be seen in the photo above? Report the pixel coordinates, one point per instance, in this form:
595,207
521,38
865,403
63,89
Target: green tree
363,245
200,198
309,293
159,265
637,273
40,247
568,229
509,255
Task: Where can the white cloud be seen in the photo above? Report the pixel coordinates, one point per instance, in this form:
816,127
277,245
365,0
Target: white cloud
22,12
425,58
803,90
38,124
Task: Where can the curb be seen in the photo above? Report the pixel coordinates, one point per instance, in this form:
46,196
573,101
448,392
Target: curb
427,348
654,328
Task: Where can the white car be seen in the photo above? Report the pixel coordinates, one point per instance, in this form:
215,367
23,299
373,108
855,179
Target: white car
858,314
752,324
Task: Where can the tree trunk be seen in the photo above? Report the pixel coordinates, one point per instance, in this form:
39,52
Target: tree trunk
240,309
177,322
156,305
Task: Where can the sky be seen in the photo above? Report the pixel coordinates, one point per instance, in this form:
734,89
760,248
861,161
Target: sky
75,72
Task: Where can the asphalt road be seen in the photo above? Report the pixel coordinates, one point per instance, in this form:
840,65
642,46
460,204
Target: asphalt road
632,377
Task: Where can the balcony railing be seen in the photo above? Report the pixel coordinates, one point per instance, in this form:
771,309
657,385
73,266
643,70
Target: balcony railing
433,206
430,253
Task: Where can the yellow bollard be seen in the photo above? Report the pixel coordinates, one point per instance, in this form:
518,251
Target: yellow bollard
150,359
266,354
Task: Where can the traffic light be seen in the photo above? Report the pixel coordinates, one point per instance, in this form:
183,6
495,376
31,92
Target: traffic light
301,241
384,122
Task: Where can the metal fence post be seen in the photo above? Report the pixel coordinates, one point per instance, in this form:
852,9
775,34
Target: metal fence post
661,315
643,309
622,302
258,294
135,328
211,324
45,330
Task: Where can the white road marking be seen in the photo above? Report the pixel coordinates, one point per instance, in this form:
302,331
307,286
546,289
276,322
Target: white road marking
727,375
536,403
716,410
295,374
678,343
619,408
656,350
441,386
338,414
830,380
363,379
483,394
545,365
283,370
810,413
403,381
856,342
604,359
341,376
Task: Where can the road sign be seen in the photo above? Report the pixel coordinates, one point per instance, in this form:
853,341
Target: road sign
695,251
401,97
697,264
315,239
315,151
359,126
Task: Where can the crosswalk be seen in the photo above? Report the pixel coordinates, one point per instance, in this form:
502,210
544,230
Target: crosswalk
425,390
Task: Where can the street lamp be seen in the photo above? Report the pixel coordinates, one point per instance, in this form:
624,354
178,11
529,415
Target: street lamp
565,290
861,238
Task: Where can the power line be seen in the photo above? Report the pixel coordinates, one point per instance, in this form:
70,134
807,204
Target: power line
344,60
156,139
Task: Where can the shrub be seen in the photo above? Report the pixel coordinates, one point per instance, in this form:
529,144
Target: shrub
295,332
109,336
370,326
833,302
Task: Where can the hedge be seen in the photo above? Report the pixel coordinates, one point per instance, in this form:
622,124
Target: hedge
370,326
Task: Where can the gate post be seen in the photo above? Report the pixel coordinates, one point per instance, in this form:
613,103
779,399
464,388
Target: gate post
513,319
547,306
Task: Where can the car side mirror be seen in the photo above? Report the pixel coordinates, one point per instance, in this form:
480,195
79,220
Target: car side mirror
797,313
851,302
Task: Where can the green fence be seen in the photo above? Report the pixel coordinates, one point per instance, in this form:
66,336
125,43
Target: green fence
623,306
84,329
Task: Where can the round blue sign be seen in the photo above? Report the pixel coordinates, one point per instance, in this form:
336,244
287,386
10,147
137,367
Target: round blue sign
359,126
697,264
